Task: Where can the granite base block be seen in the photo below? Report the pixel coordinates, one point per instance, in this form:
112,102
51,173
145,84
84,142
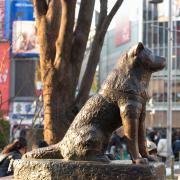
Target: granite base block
56,169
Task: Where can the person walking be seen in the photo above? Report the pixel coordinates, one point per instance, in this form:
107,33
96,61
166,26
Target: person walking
117,146
176,148
162,148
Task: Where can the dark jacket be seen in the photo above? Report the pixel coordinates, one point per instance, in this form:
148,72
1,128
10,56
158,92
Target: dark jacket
176,148
116,141
5,161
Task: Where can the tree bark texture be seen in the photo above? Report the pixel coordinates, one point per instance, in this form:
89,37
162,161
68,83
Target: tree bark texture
63,41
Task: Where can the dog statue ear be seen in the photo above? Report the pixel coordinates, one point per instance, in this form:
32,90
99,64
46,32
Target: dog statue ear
139,48
135,50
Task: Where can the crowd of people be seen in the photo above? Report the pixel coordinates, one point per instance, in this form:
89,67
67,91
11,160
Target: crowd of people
156,144
159,138
15,150
116,150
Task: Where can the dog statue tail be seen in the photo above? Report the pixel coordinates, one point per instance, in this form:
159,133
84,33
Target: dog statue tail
50,152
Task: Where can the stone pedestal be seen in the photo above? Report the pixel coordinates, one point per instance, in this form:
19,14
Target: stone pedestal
55,169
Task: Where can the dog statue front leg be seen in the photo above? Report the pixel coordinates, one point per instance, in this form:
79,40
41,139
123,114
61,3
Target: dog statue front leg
130,114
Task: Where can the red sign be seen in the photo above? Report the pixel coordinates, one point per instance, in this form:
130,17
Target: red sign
2,14
122,31
4,76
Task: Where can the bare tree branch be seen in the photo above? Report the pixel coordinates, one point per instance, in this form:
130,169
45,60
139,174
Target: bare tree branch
81,37
53,15
88,76
111,14
64,41
94,56
103,12
40,7
47,21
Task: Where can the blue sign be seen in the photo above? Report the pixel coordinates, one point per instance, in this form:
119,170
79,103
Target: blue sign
7,19
24,33
22,11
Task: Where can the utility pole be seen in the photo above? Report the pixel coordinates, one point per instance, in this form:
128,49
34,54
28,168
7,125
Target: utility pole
169,83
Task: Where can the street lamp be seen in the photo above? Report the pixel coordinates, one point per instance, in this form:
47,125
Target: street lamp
169,84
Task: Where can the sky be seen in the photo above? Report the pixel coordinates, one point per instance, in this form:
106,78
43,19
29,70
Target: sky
128,6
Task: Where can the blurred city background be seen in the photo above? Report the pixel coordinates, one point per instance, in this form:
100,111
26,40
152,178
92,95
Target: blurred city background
147,21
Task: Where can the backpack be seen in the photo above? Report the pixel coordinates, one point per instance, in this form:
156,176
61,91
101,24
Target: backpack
3,167
6,162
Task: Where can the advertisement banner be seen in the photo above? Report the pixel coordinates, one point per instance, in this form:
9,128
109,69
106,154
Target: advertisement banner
122,32
7,22
163,10
27,110
2,16
4,76
23,108
24,36
126,23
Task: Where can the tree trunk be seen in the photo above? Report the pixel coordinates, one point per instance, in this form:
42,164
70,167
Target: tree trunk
55,107
62,48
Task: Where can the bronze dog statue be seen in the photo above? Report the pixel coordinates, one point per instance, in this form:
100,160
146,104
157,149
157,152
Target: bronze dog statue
120,101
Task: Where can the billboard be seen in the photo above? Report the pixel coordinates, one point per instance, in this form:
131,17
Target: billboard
23,108
122,31
163,10
126,22
27,110
7,19
24,36
4,76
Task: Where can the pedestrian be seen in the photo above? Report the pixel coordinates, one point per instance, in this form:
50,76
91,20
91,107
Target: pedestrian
12,151
151,148
176,148
116,146
162,148
40,144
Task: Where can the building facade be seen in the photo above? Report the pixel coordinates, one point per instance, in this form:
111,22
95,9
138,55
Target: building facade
24,58
137,20
152,30
19,50
155,36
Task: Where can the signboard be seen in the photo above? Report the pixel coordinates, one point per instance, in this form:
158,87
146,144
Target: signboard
163,10
23,108
7,19
2,16
27,109
126,23
122,32
24,36
4,76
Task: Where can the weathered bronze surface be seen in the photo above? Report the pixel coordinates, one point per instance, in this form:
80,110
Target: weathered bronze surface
120,101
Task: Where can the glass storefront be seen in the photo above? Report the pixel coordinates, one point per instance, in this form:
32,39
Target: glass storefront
155,37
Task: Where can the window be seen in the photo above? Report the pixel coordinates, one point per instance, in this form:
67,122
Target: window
24,78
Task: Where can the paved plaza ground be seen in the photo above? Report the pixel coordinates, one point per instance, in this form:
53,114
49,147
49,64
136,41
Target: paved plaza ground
176,170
